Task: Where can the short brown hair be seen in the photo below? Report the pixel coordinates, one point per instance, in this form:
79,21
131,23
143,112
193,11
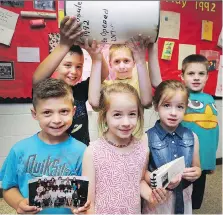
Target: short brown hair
51,88
194,58
115,47
163,91
105,102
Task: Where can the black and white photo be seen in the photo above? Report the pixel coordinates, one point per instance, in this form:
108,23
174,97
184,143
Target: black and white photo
62,191
6,70
44,4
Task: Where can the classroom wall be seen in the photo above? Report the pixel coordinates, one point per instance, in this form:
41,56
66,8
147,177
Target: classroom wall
16,123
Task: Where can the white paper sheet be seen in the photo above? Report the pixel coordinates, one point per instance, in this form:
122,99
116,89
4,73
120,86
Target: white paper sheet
184,51
218,91
169,24
28,54
8,22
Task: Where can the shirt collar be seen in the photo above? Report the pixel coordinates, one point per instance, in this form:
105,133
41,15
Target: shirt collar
163,133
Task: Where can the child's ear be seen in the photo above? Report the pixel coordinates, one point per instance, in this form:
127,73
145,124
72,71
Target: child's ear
33,112
74,110
182,77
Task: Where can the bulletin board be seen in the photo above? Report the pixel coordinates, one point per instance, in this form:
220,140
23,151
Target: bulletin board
191,15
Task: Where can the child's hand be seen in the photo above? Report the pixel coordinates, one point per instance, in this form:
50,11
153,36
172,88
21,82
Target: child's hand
69,31
174,182
158,196
82,209
24,208
192,173
138,47
94,50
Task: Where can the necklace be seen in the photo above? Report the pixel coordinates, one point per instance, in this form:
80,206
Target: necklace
117,145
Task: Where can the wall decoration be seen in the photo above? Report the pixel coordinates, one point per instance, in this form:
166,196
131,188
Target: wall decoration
184,51
44,4
169,25
213,58
8,20
167,50
54,39
207,30
11,3
6,71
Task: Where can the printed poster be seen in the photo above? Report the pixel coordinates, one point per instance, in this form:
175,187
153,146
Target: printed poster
167,50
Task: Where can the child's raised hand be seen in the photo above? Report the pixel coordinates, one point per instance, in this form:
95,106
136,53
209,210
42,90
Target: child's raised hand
24,208
192,173
82,209
175,182
138,46
70,30
94,49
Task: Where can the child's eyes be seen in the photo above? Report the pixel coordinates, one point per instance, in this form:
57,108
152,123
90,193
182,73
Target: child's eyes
117,61
166,105
67,65
46,113
191,73
117,114
201,73
132,114
181,107
79,67
126,61
65,112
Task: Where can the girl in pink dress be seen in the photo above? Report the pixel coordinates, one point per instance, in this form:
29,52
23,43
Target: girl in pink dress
115,163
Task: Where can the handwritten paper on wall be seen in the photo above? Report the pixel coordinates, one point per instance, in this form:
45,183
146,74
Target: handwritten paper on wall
8,22
184,51
167,50
169,24
27,54
218,91
207,30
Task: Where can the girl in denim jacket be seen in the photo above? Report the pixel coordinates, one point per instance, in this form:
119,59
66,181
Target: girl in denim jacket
168,140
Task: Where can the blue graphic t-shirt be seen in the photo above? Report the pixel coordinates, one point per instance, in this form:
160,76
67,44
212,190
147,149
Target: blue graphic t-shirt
31,157
201,118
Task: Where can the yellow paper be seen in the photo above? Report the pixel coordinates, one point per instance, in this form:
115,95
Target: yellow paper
60,17
167,50
207,30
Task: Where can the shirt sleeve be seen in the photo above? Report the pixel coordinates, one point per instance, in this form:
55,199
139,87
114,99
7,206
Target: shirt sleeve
8,174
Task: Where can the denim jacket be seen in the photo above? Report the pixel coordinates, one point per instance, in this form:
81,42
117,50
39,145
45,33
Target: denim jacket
165,147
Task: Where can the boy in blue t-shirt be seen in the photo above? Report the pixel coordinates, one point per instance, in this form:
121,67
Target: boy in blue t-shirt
50,152
201,118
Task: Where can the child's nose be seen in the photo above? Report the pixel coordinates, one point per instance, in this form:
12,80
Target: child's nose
73,70
173,111
125,121
121,65
56,118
